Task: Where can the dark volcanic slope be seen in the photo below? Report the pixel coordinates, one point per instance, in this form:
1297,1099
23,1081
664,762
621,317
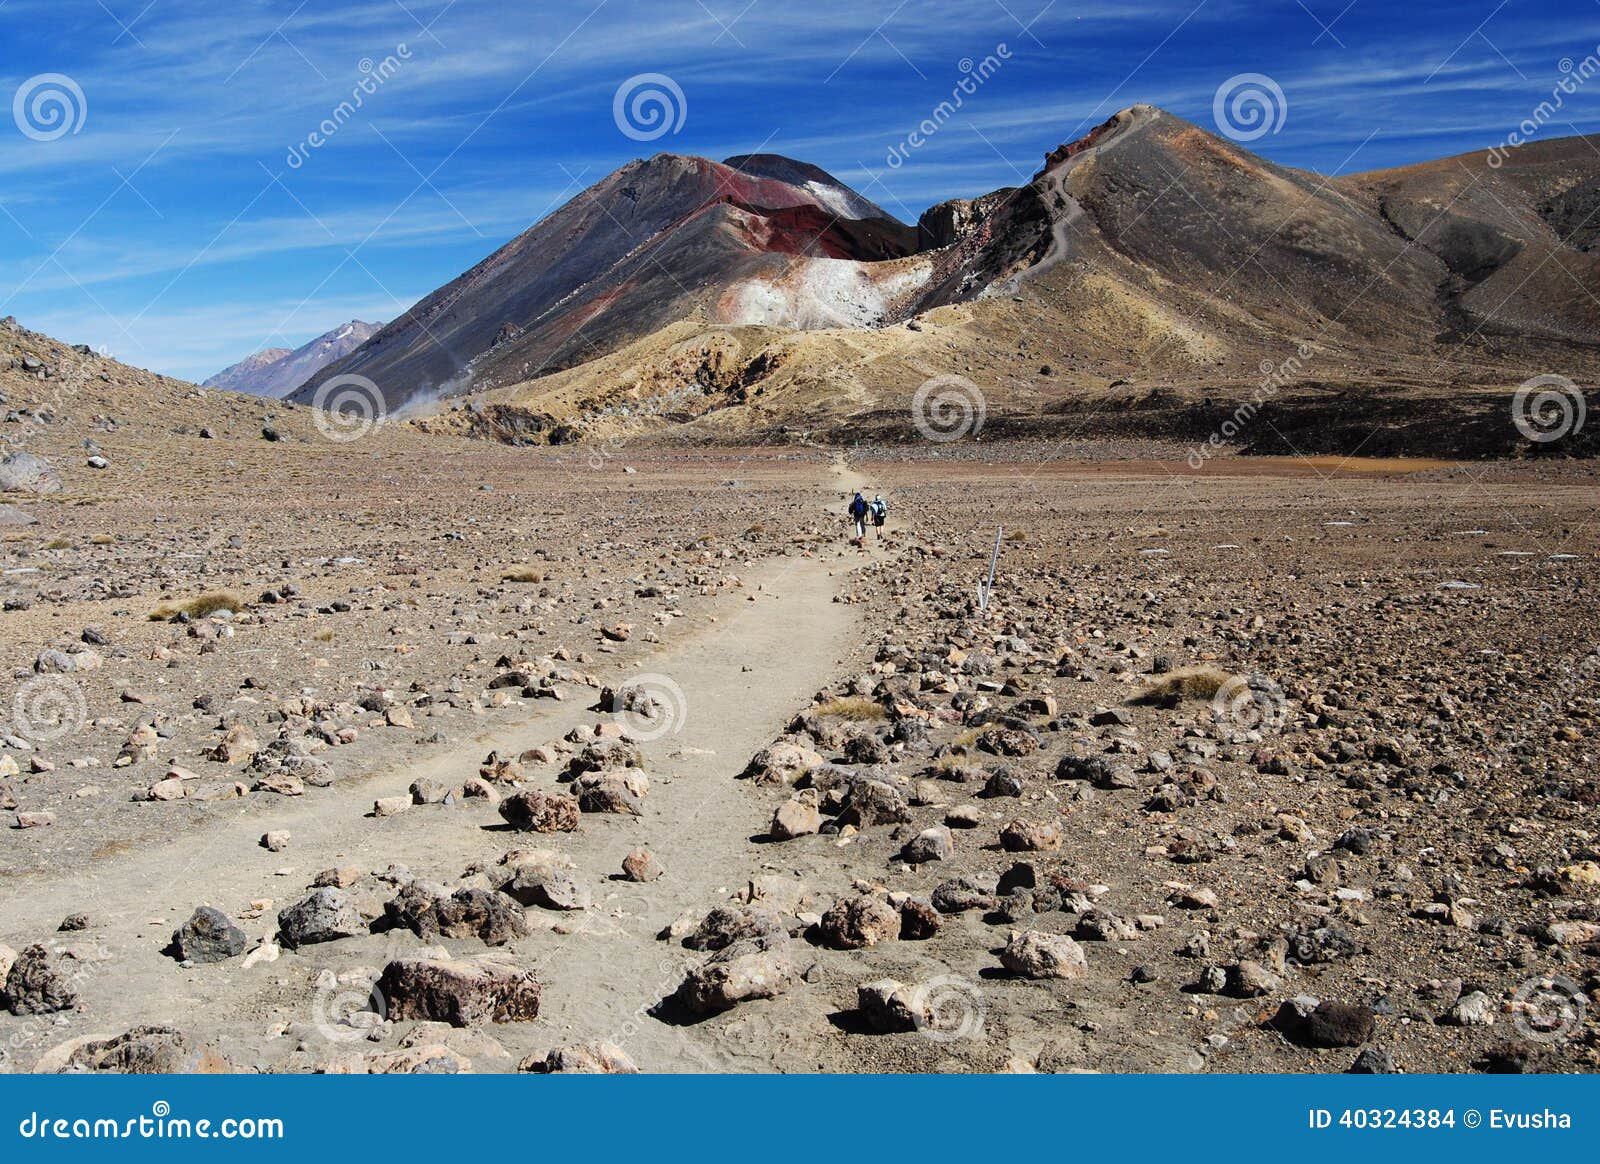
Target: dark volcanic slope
645,247
1152,238
1203,228
1515,239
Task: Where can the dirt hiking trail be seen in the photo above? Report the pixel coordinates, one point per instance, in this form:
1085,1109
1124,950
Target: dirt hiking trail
742,673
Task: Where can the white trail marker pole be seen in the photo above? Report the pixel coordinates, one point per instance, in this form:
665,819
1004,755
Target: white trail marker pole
987,588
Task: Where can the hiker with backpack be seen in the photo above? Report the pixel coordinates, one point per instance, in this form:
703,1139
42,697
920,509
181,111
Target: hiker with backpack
880,513
858,516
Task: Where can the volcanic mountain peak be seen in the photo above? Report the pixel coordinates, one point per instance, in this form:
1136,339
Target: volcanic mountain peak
661,239
278,371
1147,239
833,194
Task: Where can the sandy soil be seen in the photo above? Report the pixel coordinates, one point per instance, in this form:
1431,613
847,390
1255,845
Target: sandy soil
1426,786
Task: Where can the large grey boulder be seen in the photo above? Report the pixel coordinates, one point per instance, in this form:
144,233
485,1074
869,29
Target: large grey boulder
209,936
28,473
323,915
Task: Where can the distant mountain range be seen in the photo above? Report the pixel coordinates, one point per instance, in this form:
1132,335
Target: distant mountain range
1154,232
1149,250
278,371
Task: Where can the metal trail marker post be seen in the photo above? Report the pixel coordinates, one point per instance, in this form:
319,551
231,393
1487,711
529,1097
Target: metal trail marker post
986,588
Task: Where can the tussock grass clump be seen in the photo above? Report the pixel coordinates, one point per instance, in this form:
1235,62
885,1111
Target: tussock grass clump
323,636
201,606
856,707
1017,535
522,574
58,543
1184,683
102,540
967,738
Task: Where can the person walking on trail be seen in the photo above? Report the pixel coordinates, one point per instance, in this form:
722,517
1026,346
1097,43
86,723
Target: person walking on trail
880,514
858,516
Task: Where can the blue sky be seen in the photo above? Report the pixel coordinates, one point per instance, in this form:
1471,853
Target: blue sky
171,229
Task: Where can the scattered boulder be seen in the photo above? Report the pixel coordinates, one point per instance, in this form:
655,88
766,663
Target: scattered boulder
611,791
853,923
23,472
540,812
1034,954
1374,1061
1473,1009
1024,836
728,924
873,802
459,992
323,915
641,865
596,1058
544,885
144,1050
888,1006
780,763
931,844
750,968
428,911
209,936
36,984
798,816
